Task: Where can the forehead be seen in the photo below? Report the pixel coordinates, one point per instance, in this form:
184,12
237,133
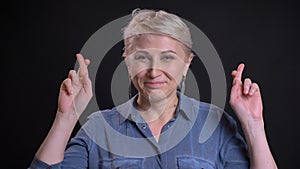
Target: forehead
161,42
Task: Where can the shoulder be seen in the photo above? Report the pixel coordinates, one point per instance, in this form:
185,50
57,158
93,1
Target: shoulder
201,109
102,113
208,113
111,116
202,106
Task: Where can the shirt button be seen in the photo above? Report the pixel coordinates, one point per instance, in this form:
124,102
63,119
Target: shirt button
168,125
144,127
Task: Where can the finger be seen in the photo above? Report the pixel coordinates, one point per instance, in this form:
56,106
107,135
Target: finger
254,88
82,71
70,74
234,80
247,84
239,73
87,86
67,86
87,61
236,88
233,73
74,77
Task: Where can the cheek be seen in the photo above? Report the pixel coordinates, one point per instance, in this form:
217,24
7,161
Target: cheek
140,75
137,79
175,72
138,69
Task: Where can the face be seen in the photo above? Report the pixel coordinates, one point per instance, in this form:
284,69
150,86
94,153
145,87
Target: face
157,65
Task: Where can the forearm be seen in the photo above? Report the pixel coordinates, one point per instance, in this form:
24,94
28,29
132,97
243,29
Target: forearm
52,149
260,154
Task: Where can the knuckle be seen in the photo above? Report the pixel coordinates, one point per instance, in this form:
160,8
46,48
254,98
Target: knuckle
66,81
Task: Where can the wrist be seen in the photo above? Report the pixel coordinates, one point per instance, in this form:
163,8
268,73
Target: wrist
254,130
252,123
65,121
67,118
53,147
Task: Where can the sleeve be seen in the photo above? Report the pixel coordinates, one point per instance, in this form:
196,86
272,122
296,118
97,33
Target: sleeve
77,151
38,164
234,150
76,154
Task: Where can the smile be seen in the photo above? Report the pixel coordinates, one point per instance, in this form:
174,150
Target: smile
154,85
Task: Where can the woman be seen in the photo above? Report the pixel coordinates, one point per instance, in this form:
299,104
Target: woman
161,125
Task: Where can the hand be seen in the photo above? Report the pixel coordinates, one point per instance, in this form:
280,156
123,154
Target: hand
245,98
76,90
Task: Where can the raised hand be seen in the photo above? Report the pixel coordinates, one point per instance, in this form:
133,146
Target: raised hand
245,98
74,95
76,90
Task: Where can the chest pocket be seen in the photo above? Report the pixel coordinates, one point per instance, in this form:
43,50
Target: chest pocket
121,163
189,162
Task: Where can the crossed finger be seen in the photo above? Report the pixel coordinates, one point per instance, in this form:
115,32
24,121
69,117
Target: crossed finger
78,78
83,70
237,74
248,87
83,63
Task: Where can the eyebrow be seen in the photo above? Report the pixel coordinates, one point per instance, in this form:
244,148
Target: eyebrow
142,51
168,51
163,52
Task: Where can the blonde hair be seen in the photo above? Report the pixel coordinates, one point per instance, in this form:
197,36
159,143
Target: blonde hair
156,22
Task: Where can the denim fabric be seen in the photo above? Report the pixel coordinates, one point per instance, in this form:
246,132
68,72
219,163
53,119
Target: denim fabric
120,138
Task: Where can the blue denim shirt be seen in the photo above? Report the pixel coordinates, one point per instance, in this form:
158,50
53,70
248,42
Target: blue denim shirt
120,138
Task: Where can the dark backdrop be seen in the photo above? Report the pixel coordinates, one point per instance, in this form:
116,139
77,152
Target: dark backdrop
39,41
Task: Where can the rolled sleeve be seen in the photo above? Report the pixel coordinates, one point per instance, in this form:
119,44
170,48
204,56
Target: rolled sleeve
38,164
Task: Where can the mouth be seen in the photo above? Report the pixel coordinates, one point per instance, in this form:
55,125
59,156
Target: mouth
154,85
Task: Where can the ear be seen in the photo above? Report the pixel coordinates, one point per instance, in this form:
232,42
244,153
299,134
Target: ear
188,63
191,57
124,54
127,63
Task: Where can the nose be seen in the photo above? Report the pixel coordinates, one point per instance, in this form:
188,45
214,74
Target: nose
154,70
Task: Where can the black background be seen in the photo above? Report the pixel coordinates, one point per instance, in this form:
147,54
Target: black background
39,41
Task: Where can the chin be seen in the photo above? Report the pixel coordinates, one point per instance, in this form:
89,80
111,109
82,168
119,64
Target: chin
156,95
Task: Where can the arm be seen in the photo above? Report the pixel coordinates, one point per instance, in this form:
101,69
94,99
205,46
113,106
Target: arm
75,93
245,99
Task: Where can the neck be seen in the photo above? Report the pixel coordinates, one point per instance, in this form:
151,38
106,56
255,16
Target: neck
159,110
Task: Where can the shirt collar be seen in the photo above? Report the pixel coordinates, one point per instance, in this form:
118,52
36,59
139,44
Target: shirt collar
127,110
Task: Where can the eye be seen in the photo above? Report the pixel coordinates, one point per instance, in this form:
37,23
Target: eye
140,57
167,58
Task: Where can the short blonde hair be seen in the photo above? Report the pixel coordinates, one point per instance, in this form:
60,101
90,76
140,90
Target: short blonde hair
156,22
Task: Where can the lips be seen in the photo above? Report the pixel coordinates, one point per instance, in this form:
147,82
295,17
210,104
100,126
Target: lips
154,85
